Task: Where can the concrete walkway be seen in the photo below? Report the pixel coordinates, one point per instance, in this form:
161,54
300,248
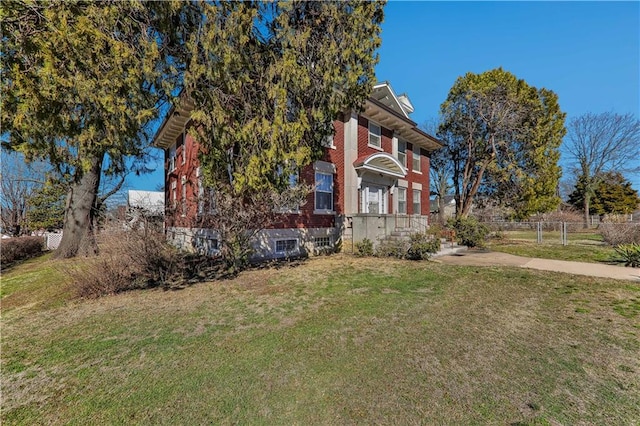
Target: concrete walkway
474,258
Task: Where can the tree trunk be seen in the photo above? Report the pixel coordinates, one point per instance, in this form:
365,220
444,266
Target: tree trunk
78,238
441,207
586,202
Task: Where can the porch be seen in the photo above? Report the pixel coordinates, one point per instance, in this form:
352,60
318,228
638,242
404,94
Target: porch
375,227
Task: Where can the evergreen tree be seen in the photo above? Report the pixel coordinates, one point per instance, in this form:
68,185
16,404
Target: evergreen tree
612,194
81,83
269,78
46,206
503,140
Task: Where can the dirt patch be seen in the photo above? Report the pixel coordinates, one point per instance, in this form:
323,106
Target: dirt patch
483,258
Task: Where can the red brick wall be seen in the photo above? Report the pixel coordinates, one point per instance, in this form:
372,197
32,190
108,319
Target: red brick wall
363,138
188,151
306,218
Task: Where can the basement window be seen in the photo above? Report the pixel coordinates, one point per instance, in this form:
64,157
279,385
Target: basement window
286,246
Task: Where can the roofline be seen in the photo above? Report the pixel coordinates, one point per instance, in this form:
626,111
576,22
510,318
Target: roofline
408,121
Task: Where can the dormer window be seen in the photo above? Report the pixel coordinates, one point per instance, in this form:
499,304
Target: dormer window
375,135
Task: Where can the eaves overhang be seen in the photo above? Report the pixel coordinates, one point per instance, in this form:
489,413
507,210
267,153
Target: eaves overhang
403,127
174,123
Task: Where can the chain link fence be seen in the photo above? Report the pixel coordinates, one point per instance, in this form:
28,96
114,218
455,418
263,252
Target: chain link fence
561,233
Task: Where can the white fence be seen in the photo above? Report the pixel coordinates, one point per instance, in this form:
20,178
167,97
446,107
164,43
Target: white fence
52,240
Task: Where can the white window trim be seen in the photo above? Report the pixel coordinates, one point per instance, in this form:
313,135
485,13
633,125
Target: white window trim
413,158
324,168
295,210
404,163
184,148
378,147
285,251
404,191
172,158
329,140
183,195
413,201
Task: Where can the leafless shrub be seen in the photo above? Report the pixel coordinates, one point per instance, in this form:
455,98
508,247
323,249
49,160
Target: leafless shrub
620,233
15,249
136,259
565,215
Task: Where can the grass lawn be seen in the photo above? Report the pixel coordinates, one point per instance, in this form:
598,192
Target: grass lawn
575,252
334,340
584,246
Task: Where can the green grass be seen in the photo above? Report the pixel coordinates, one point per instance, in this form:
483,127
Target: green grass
585,246
335,340
577,253
39,281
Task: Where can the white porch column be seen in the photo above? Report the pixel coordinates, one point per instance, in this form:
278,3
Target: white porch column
350,156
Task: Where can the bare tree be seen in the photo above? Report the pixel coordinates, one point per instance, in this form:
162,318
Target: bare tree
598,143
18,182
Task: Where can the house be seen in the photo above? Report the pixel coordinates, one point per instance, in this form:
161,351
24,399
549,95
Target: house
144,206
372,181
449,206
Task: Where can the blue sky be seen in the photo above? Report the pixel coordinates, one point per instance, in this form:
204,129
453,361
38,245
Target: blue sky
586,52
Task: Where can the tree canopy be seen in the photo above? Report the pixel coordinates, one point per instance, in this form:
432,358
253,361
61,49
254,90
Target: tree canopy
269,78
503,138
81,83
598,143
612,194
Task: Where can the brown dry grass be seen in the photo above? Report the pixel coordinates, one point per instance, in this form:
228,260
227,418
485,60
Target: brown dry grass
335,340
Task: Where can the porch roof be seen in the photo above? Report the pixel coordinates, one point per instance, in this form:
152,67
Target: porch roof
382,163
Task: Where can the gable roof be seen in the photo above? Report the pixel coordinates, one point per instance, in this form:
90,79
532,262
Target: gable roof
383,93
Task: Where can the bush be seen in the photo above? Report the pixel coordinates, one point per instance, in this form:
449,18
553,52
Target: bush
20,248
391,248
630,253
364,248
469,231
134,260
421,247
620,233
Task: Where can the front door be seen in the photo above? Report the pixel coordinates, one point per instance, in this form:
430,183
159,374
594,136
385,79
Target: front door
374,199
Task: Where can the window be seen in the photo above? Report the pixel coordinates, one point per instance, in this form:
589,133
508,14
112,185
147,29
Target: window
174,194
289,202
375,138
416,159
417,208
172,158
200,191
286,246
402,152
207,246
184,148
320,242
184,194
206,196
324,192
327,142
402,200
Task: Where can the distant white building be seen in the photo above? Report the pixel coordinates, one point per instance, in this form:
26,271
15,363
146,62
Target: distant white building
144,207
150,202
